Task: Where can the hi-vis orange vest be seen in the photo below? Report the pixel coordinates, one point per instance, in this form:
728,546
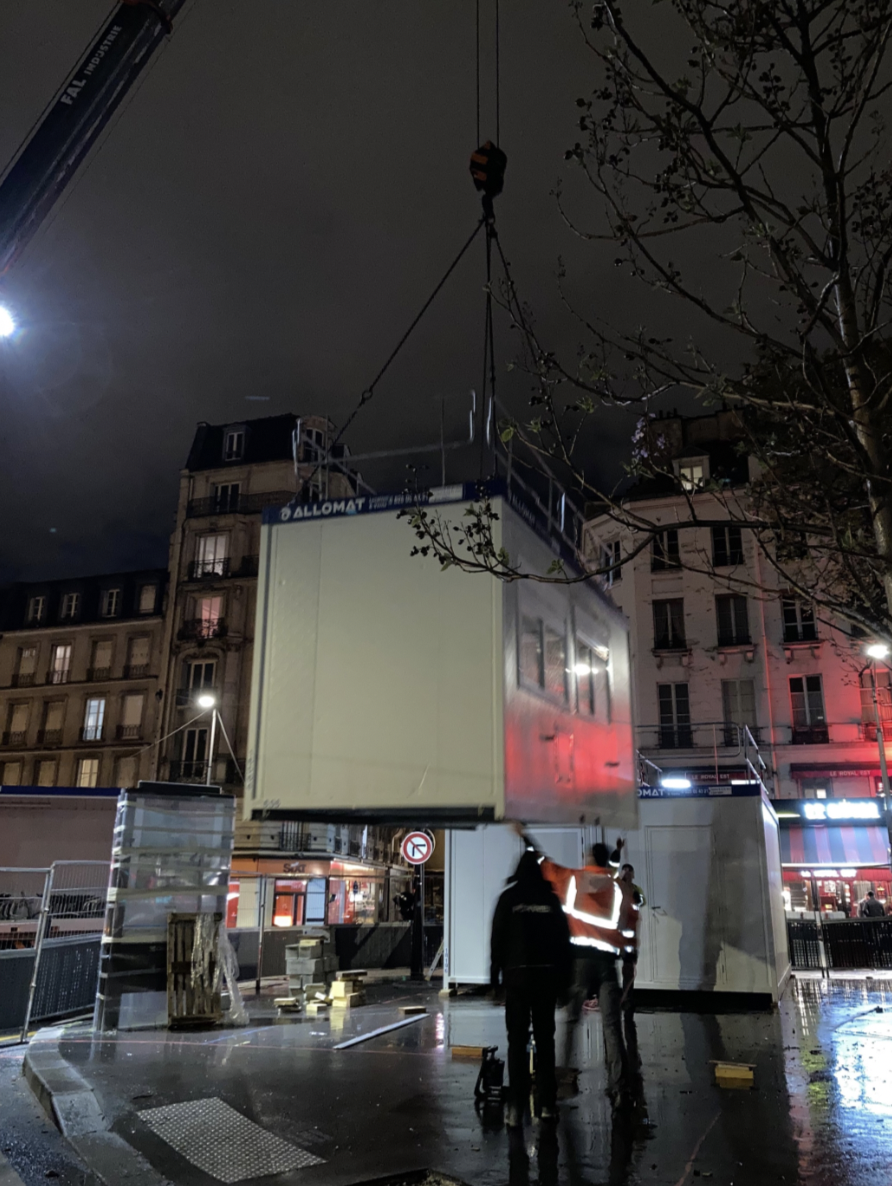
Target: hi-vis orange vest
597,906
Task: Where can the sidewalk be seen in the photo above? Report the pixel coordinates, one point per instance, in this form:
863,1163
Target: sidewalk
821,1110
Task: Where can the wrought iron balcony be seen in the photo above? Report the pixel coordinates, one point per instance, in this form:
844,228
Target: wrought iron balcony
242,504
23,679
223,771
707,735
136,671
98,673
49,737
17,738
209,570
60,676
813,735
202,628
128,732
92,733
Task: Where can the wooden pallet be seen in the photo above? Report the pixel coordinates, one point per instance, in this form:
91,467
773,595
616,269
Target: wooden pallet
193,982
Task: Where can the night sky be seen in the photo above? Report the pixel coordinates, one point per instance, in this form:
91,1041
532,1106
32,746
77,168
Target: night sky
263,219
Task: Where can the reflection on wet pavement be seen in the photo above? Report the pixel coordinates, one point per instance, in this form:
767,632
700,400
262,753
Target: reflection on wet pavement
820,1111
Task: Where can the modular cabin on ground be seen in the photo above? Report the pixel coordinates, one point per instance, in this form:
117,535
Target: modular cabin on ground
387,689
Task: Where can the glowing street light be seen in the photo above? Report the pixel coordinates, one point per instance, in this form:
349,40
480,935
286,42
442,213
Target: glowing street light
7,322
208,701
877,650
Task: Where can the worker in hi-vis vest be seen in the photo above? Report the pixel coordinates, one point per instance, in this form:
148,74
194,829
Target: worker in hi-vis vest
598,910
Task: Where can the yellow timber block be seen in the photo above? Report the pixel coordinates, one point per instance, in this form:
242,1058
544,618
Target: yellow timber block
347,1002
475,1052
408,1010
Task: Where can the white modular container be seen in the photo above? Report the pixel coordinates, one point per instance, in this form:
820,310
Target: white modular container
386,688
710,870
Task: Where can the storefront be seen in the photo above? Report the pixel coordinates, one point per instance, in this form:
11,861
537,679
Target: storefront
324,892
833,852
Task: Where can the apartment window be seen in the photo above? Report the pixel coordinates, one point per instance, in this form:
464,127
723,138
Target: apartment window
126,771
111,603
101,659
53,720
611,557
314,441
213,553
12,774
87,772
70,606
675,716
195,753
201,674
799,620
137,658
208,615
555,663
131,715
46,773
234,444
692,475
732,619
94,718
883,700
727,546
669,624
738,709
25,667
807,702
148,595
37,610
585,679
226,497
532,671
664,550
60,663
17,729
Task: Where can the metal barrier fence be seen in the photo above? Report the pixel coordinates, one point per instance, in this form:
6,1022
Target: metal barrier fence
51,924
840,944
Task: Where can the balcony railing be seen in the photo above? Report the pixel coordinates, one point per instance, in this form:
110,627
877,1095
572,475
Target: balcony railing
92,733
708,735
243,504
59,676
128,732
208,570
49,737
223,771
136,671
98,673
202,628
812,735
17,738
23,679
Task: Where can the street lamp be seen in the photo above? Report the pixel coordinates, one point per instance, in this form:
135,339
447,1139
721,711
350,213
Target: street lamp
875,651
7,322
208,702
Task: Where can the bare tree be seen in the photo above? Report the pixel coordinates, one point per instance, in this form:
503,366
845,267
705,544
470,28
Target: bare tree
756,132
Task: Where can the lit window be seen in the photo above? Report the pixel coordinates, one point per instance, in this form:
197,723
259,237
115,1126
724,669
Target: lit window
208,616
70,605
213,555
37,610
234,444
94,716
693,474
87,772
60,663
111,603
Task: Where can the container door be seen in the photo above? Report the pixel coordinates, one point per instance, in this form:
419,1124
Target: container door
686,930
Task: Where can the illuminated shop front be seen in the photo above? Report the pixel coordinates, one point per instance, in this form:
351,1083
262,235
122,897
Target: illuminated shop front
833,851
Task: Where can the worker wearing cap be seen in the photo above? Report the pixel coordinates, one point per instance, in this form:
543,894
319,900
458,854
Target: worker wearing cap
598,910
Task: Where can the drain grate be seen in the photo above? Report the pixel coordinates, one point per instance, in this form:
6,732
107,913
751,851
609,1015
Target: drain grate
222,1142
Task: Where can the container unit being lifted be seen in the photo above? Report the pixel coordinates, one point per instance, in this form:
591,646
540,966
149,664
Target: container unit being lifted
386,689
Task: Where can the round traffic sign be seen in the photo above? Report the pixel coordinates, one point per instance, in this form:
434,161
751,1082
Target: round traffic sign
417,847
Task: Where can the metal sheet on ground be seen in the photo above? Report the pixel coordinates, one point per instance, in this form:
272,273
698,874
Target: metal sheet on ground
222,1142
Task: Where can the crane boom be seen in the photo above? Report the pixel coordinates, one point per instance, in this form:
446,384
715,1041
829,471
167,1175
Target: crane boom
50,157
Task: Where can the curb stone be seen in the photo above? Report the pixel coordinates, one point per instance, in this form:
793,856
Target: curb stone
70,1103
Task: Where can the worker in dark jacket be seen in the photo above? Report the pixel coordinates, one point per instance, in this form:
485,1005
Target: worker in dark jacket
531,952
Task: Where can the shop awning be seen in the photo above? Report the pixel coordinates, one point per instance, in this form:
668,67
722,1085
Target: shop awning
834,846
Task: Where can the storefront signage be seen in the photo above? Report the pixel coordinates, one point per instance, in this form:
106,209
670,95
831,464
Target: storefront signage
417,847
723,791
839,810
368,504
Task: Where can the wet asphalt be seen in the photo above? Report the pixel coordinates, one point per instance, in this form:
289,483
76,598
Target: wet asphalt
820,1111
